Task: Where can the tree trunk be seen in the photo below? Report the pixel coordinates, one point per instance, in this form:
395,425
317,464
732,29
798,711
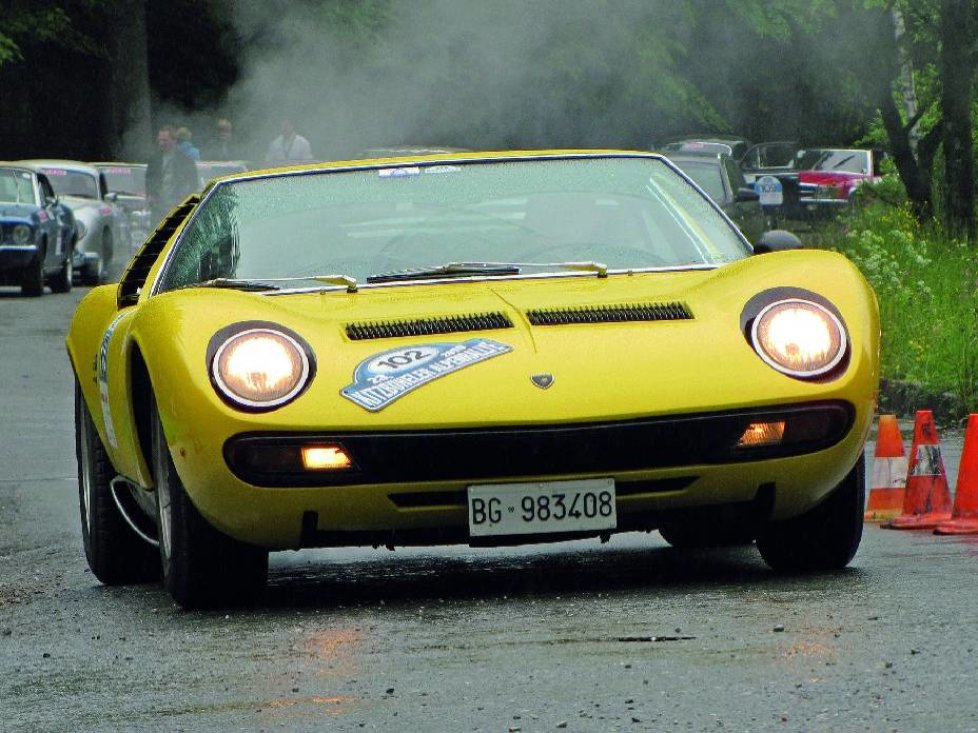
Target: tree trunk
957,70
128,96
915,176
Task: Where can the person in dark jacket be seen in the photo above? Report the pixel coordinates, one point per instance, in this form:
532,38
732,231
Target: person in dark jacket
170,175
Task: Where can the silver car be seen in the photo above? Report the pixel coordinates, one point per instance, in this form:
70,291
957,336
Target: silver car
103,225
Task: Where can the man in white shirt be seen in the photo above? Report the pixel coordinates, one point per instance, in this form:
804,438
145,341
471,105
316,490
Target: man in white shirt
288,147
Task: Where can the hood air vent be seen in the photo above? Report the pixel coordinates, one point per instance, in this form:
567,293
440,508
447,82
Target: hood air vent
427,326
610,314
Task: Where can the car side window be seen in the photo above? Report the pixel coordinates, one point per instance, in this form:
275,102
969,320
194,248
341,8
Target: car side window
734,174
46,191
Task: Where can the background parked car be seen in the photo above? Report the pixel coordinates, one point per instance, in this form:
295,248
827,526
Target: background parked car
722,180
769,158
101,222
208,169
735,147
827,177
128,182
37,233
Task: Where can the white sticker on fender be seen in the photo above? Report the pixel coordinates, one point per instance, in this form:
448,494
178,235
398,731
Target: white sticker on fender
102,374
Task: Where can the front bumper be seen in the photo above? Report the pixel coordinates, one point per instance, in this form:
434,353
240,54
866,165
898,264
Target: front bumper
410,487
14,258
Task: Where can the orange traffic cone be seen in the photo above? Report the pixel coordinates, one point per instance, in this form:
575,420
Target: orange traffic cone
927,499
964,516
889,473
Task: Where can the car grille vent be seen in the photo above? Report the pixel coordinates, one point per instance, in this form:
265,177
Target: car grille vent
427,326
610,314
132,280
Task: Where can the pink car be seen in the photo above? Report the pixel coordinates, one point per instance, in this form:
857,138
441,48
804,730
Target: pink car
827,177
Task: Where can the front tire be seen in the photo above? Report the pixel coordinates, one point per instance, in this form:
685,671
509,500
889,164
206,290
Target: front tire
92,271
115,553
33,284
202,567
824,538
61,283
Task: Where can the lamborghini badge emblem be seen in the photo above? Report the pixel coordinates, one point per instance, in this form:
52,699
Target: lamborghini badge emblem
543,381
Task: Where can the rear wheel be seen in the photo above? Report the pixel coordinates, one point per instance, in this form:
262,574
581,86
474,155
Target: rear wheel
824,538
115,553
61,283
202,567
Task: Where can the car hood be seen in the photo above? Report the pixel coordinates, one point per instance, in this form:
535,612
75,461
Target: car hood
24,212
518,351
78,203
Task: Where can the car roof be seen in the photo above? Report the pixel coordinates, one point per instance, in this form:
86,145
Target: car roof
117,164
72,165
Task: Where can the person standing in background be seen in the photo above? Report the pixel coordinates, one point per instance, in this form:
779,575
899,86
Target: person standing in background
184,137
289,147
224,147
170,175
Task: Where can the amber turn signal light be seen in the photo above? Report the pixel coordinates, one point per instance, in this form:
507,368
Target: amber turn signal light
325,458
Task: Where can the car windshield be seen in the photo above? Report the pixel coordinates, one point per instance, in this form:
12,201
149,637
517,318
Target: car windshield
707,176
125,179
16,187
73,183
850,161
628,212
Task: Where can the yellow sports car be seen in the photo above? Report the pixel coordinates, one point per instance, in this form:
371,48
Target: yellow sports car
480,348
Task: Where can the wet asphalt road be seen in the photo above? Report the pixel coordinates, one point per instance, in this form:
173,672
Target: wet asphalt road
628,636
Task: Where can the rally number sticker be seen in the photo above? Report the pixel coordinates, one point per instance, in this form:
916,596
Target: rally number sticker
386,377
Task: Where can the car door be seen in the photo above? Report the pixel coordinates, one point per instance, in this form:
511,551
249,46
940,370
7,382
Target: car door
745,206
52,224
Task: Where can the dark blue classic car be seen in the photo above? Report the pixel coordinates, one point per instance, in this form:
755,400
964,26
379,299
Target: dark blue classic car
37,233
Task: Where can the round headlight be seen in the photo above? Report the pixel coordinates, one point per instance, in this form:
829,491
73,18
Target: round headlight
260,368
799,338
22,234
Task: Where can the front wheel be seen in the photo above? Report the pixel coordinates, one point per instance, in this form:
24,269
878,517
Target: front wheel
61,283
202,567
824,538
115,553
33,283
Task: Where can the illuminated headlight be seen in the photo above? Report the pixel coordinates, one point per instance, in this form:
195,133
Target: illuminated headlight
799,338
260,368
22,234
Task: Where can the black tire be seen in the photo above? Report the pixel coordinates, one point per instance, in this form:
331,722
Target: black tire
824,538
115,553
33,284
690,536
92,272
202,568
61,283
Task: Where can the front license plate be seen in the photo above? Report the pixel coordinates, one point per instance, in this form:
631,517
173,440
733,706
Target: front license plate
542,507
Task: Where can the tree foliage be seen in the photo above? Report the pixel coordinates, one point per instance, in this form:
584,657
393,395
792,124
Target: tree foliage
502,73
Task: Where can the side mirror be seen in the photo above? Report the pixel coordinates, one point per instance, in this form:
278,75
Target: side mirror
777,240
112,196
747,193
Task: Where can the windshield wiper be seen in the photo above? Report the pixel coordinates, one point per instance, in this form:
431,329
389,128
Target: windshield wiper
267,283
232,284
467,269
452,269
